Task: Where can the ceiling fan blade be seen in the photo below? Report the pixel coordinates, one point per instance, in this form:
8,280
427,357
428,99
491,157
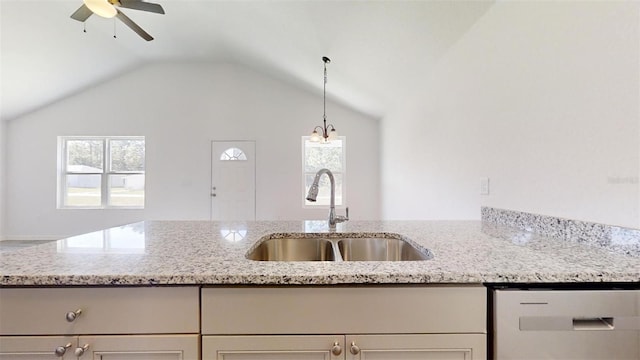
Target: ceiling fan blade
143,34
82,14
141,5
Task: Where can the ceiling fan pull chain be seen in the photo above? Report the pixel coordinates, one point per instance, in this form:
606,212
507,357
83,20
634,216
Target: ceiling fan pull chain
84,25
114,28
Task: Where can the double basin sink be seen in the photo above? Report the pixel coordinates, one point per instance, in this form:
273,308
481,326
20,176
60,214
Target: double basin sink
337,247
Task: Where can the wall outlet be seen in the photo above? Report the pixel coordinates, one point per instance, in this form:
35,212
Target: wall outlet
484,186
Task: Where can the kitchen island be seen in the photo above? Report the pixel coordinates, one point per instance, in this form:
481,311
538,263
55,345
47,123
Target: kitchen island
213,253
185,290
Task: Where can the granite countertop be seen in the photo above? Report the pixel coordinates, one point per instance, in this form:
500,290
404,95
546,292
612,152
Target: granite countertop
204,252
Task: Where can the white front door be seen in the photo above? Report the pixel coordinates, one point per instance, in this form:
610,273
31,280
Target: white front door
233,180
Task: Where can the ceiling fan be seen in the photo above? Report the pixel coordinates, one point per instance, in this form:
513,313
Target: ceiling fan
109,9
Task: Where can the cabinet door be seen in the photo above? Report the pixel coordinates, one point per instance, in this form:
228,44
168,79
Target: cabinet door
416,347
312,347
37,347
140,347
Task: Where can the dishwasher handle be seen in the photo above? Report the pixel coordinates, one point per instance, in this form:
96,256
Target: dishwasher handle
596,323
568,323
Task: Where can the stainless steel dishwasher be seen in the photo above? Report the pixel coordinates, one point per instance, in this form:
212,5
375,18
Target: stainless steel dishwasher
566,324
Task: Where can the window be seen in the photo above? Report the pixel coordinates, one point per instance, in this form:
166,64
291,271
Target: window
233,154
318,155
101,172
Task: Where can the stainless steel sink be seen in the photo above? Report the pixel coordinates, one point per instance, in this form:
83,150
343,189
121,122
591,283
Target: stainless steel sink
379,249
337,247
293,249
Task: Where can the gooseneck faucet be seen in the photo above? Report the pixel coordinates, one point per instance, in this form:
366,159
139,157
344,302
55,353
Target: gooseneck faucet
313,194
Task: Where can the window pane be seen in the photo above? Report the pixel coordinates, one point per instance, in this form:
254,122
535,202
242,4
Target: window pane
84,156
126,190
83,190
233,235
320,155
127,155
324,189
233,154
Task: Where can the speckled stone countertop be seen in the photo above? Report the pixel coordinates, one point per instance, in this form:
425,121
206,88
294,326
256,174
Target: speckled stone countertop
203,252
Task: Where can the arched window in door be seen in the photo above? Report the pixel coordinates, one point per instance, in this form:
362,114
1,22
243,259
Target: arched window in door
233,154
233,235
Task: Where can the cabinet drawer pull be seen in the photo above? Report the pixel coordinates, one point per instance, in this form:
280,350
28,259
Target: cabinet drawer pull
81,350
72,315
60,350
336,349
355,350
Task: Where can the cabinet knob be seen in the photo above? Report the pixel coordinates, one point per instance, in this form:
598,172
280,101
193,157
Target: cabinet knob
72,315
355,350
81,350
336,349
60,350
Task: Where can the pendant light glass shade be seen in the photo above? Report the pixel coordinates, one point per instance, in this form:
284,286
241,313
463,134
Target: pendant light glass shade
333,135
101,8
315,136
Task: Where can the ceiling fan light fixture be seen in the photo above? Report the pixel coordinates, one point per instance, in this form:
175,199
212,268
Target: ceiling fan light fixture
101,8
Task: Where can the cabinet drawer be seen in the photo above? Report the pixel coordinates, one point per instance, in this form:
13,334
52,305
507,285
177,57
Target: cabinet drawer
326,310
103,310
37,347
103,347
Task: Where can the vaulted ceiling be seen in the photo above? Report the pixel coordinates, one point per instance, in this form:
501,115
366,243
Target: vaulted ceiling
380,50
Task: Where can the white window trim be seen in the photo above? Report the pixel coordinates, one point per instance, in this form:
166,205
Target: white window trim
343,173
105,174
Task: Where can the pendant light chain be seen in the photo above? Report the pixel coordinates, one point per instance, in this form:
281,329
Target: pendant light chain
324,95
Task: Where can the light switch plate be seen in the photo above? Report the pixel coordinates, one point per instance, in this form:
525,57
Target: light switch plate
484,186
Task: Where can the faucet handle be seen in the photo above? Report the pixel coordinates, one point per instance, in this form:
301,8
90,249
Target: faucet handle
341,218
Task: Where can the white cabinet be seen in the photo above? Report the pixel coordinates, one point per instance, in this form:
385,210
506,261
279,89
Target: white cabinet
305,347
244,323
37,347
106,310
349,347
364,323
413,347
141,347
100,323
129,347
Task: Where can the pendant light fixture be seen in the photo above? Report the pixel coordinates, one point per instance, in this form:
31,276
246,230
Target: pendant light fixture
327,132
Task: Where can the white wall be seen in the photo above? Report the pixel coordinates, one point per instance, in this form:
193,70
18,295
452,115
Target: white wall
3,153
180,108
541,97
